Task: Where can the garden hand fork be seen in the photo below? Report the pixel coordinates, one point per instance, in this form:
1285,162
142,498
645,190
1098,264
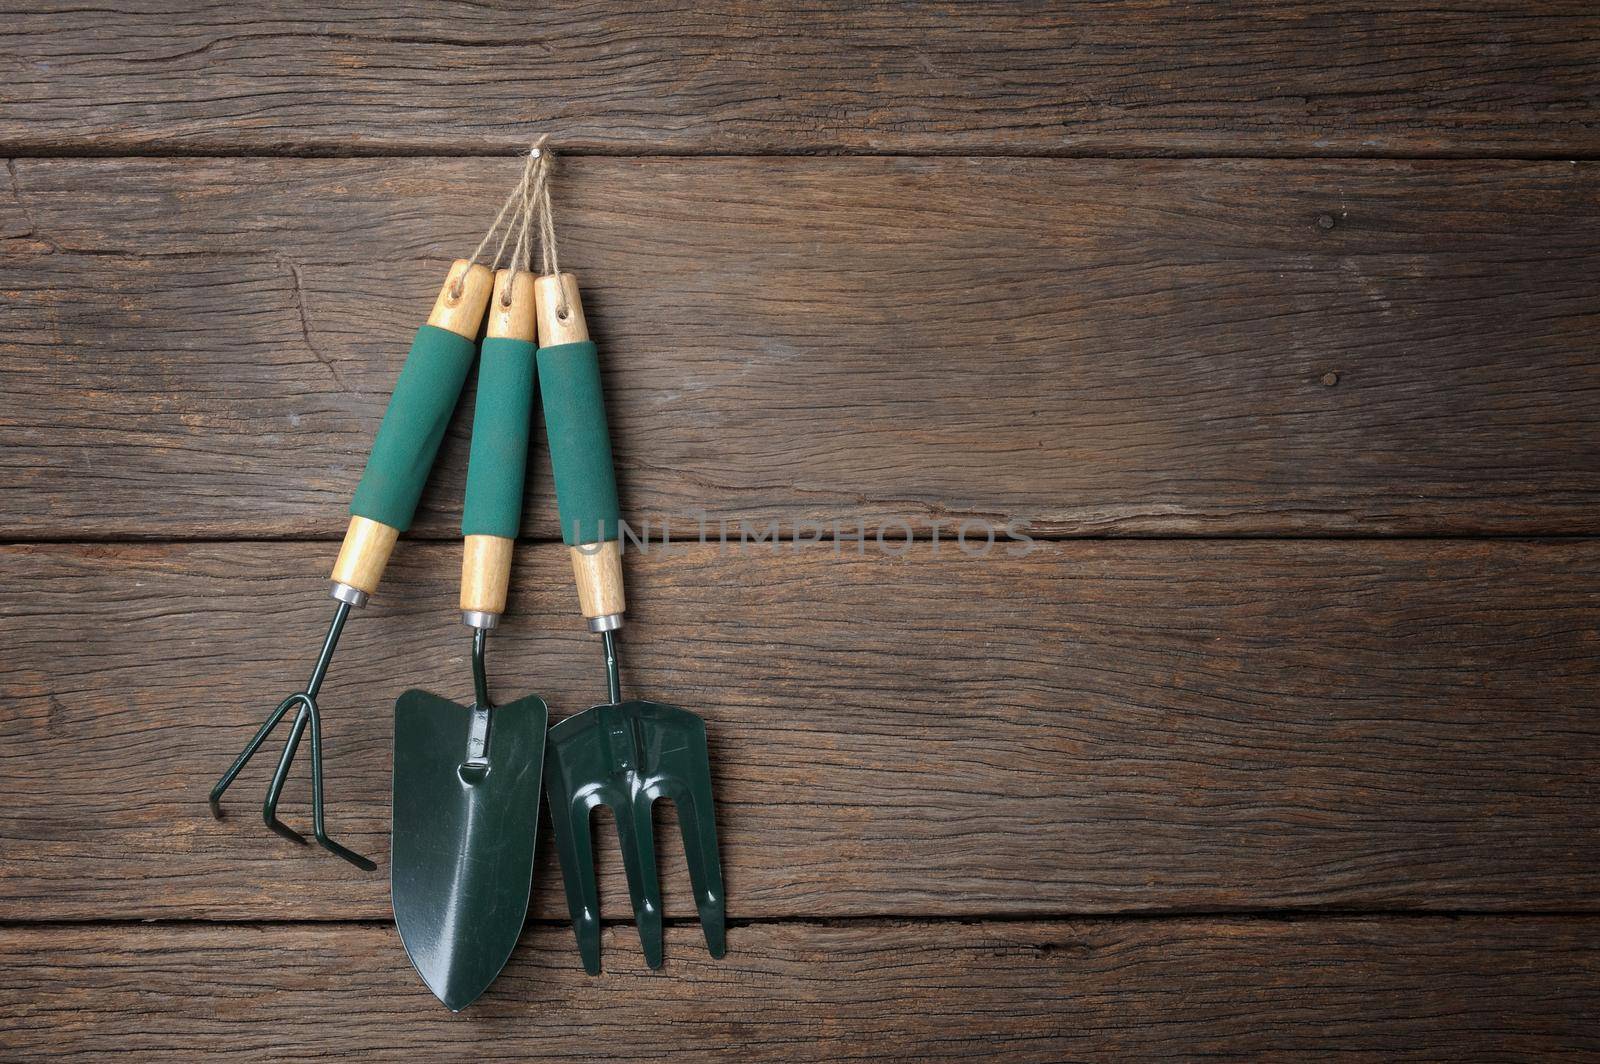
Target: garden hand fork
624,755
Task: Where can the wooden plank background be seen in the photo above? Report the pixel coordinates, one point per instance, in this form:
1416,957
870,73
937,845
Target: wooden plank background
1270,325
1144,726
1136,77
204,348
1379,989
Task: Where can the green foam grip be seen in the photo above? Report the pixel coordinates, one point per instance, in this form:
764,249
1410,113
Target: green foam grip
580,446
413,426
499,438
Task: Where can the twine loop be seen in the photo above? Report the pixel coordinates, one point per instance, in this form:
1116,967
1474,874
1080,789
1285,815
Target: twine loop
523,197
549,260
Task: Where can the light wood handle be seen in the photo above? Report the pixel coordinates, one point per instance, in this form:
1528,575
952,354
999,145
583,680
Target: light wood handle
368,543
597,568
485,574
511,313
486,560
366,550
560,310
461,310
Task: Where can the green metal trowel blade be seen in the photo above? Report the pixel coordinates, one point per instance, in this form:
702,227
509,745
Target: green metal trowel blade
625,756
462,860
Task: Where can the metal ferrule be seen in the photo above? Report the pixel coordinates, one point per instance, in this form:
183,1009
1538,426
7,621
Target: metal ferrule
352,595
609,623
480,620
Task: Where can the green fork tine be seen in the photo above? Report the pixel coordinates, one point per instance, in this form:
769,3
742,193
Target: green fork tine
626,756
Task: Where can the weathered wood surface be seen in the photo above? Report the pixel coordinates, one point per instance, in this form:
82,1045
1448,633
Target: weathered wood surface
1099,726
1085,345
1257,78
1359,989
204,347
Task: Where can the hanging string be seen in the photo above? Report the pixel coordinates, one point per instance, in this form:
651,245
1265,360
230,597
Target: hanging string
522,246
550,263
494,226
535,161
519,194
524,250
541,158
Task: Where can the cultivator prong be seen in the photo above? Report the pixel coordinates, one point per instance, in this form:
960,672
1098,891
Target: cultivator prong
246,754
280,775
306,717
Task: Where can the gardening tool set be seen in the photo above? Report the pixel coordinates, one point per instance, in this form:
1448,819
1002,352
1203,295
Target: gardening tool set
468,779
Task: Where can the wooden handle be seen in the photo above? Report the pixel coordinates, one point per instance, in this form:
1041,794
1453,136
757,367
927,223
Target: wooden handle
486,559
459,307
485,574
511,311
366,550
560,311
368,543
597,568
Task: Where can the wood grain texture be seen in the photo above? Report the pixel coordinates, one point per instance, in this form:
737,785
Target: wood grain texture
965,803
597,577
1096,727
364,554
1146,76
205,347
463,299
1359,989
485,573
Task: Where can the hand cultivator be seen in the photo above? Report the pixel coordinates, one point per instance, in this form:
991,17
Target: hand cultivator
385,500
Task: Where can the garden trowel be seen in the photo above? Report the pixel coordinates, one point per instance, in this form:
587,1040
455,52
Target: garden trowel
467,778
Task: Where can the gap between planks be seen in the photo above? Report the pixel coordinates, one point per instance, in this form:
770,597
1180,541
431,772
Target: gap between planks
1254,916
24,152
166,538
